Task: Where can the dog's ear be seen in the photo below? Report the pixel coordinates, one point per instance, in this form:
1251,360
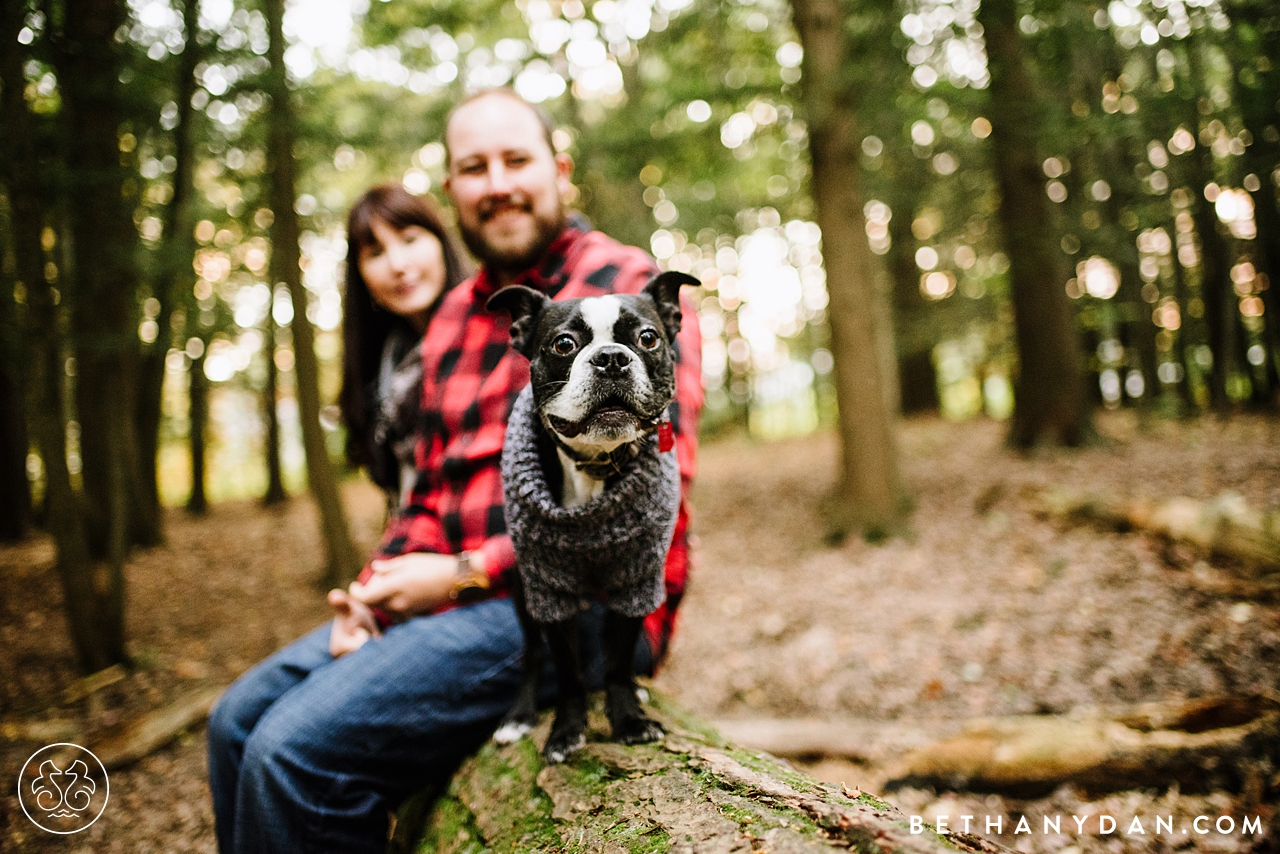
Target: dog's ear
525,305
664,290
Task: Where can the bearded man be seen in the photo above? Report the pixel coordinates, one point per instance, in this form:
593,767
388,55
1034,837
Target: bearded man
310,749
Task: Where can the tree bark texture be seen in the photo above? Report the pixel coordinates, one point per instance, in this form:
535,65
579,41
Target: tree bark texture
342,560
692,792
102,284
173,284
1221,316
99,276
198,395
871,492
1050,404
15,489
87,594
270,398
1256,35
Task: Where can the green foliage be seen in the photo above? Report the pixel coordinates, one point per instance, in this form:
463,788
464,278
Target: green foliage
685,125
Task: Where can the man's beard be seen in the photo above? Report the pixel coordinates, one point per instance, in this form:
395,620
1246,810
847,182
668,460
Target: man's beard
518,258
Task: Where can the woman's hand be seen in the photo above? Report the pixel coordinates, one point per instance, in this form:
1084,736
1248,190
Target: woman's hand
353,624
409,584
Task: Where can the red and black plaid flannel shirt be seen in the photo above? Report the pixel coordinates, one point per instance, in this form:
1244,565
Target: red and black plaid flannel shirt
471,378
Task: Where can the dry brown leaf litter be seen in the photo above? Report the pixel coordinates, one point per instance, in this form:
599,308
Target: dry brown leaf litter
985,610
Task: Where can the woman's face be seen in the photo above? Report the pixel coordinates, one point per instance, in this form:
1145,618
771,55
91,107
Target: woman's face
404,270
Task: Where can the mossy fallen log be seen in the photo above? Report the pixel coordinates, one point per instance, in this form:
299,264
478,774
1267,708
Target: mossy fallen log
691,792
1224,526
1200,745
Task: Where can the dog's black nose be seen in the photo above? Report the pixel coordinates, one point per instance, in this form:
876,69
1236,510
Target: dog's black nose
612,360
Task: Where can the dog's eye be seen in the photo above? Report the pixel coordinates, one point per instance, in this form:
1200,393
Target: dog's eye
648,339
563,345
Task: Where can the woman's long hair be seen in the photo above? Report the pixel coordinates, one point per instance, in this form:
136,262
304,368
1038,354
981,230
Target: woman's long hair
365,326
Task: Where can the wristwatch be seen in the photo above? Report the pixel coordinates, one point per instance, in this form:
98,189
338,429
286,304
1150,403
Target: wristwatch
470,581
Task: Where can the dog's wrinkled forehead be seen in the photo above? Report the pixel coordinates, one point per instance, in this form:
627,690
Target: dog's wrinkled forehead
595,320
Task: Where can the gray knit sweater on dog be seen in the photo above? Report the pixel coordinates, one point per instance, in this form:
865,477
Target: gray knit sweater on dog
615,544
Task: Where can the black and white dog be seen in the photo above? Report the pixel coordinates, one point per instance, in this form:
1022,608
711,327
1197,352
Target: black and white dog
591,490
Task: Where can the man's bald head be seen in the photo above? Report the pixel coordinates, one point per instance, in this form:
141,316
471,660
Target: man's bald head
507,183
543,117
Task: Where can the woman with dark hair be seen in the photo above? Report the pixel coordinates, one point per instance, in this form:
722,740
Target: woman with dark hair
400,260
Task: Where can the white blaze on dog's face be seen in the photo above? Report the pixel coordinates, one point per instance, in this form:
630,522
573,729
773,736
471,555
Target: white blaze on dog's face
601,368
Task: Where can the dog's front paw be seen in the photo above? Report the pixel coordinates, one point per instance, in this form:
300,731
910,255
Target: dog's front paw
637,730
512,731
563,743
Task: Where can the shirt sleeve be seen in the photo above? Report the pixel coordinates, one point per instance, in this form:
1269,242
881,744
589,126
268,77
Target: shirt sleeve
414,527
497,555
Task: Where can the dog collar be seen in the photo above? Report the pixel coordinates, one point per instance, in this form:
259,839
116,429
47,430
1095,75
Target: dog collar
605,466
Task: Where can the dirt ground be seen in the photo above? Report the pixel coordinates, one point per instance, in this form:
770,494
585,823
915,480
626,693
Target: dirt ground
982,609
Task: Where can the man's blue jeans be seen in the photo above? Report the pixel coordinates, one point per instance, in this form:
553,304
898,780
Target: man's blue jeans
307,752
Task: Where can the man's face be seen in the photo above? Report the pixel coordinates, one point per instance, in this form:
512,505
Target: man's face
505,182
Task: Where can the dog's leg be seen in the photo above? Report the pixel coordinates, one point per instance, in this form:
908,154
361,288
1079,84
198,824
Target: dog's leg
629,722
524,714
568,733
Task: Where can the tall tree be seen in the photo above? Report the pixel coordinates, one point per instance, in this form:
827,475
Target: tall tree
178,246
1221,316
198,415
270,399
15,489
1051,406
88,596
871,492
16,512
1255,50
342,559
89,62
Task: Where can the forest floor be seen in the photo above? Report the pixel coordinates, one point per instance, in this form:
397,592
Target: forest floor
983,609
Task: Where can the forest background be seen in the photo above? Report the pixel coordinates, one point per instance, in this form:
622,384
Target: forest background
1025,212
177,177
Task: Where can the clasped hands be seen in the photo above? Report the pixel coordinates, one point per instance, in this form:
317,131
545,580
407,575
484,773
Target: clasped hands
402,586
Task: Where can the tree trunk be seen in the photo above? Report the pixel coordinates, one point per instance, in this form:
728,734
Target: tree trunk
1050,406
914,317
198,395
270,397
103,241
342,560
1220,314
1267,214
15,489
1256,37
691,792
86,594
175,261
871,494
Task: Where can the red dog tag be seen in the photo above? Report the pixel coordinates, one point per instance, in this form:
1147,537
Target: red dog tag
666,437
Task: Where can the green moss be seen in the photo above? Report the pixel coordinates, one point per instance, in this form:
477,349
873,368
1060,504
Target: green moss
519,807
502,783
639,837
872,801
588,771
452,830
693,726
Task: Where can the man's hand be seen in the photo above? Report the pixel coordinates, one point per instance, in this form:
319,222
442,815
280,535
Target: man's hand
353,624
409,584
